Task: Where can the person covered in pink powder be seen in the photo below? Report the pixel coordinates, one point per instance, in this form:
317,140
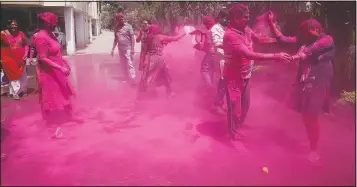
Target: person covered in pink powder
142,37
239,55
155,72
55,88
313,78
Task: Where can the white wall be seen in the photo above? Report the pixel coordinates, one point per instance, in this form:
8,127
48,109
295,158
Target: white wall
79,21
69,30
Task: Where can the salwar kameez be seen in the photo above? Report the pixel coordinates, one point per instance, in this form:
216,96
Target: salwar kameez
155,71
13,63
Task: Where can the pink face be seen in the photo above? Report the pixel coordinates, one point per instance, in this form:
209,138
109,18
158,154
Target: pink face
314,32
242,21
13,27
310,34
120,20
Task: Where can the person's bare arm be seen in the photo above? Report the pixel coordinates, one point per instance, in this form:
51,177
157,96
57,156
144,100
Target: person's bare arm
132,42
132,38
115,41
240,48
42,51
25,44
168,39
279,35
32,52
320,47
263,39
138,39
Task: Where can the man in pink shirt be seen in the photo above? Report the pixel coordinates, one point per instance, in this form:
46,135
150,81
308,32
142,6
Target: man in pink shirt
239,55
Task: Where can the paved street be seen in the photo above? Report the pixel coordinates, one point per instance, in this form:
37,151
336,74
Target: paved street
162,141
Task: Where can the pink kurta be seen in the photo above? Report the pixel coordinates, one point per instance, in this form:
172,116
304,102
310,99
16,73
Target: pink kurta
53,84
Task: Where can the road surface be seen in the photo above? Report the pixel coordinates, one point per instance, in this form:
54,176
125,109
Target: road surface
161,141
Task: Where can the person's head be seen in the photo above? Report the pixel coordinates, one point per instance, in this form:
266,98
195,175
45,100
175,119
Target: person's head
154,29
239,15
47,21
208,22
309,30
223,17
119,18
145,24
12,25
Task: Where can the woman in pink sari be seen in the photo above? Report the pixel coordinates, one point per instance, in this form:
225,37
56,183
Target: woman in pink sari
55,87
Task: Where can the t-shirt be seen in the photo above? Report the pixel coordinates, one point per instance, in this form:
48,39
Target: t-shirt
237,66
216,37
123,36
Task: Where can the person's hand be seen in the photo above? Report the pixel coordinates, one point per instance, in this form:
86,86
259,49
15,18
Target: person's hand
65,71
270,16
112,53
132,52
283,57
31,61
197,46
74,93
68,66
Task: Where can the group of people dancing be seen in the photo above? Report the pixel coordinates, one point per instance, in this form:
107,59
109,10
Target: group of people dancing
229,55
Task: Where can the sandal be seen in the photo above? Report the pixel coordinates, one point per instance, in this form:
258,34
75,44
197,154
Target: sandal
16,97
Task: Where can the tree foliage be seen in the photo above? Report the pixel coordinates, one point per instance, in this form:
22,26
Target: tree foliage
338,18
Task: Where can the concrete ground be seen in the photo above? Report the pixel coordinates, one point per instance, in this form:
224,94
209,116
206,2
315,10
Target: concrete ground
162,141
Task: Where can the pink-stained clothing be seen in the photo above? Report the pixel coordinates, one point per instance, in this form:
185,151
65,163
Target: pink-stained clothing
236,64
53,84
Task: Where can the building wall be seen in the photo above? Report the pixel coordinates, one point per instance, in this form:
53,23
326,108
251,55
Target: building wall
79,20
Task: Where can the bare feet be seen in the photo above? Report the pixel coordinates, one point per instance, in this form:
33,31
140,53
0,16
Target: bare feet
58,134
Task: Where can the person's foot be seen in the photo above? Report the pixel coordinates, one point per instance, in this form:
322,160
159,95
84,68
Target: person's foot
218,110
238,144
16,97
58,134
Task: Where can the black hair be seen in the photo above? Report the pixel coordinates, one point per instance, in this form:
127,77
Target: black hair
9,21
145,19
238,10
223,13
